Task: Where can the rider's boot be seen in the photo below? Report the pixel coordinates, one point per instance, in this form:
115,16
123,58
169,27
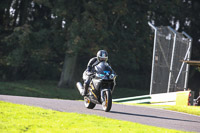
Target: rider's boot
85,89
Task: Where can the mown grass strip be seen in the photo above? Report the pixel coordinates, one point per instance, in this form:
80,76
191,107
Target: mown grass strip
194,110
21,118
36,88
49,89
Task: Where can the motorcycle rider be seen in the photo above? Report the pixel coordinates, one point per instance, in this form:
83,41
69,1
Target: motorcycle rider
102,55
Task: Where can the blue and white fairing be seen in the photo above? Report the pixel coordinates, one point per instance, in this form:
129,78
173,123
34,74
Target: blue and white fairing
104,71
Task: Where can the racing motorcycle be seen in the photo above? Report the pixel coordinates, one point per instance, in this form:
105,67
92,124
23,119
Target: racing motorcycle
101,87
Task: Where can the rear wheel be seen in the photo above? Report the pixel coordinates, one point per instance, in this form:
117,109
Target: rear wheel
88,103
107,104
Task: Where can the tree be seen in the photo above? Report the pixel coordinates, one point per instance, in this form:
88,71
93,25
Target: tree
40,39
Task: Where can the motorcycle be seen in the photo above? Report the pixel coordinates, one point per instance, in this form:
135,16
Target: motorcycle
100,88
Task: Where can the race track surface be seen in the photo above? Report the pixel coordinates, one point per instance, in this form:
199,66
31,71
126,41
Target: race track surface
138,114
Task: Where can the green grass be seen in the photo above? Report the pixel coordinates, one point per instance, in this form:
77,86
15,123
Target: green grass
46,89
128,92
49,89
195,110
21,118
187,109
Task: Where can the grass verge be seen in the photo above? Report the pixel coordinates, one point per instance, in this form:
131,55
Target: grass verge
49,89
195,110
22,118
35,88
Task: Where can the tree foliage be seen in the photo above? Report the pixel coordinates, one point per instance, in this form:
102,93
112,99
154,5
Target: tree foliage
39,36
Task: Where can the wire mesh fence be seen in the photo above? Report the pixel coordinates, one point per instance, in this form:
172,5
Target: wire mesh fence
181,47
169,73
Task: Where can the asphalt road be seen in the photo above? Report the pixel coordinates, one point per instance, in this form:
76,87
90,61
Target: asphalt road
143,115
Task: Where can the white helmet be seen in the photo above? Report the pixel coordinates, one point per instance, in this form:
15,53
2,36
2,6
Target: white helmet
102,55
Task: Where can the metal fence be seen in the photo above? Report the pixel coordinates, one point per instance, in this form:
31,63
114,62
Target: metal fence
169,73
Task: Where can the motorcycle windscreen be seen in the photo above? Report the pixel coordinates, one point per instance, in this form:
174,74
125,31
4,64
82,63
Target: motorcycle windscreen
103,68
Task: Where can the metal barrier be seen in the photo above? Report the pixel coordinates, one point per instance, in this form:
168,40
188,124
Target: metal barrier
172,98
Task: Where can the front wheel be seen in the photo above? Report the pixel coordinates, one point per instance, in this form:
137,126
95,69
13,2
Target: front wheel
107,103
88,103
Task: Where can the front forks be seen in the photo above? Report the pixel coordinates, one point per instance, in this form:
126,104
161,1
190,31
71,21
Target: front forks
102,94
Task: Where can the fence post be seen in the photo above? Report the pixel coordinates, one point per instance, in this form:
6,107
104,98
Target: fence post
189,55
172,58
153,58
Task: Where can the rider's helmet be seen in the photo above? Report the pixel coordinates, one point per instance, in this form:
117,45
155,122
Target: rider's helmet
102,55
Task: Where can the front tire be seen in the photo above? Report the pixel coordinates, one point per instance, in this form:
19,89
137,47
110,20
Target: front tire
107,104
88,104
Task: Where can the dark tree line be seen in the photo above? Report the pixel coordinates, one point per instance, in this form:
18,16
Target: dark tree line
47,39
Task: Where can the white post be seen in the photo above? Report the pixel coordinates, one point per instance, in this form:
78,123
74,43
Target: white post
172,59
186,56
189,55
153,58
187,69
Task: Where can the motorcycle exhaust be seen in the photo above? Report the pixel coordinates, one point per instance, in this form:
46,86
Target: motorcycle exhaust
80,87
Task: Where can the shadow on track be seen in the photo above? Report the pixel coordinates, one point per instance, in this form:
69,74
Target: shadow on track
151,116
